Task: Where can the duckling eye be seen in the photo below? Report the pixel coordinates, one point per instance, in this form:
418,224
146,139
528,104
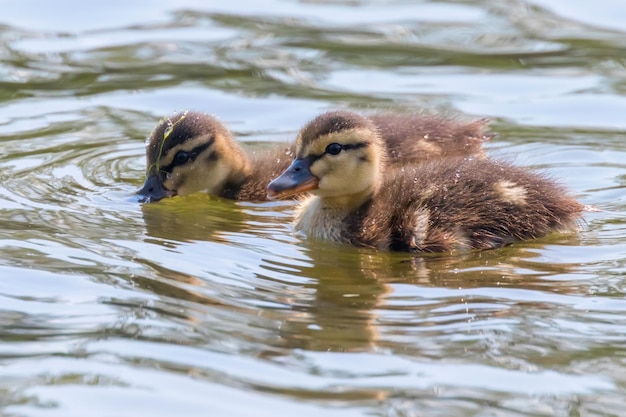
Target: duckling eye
334,148
181,157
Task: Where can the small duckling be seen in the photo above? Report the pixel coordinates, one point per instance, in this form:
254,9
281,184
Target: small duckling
192,152
441,205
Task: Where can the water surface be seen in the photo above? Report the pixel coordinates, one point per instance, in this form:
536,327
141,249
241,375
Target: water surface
199,306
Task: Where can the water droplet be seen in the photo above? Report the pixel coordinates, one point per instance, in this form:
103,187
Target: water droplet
168,130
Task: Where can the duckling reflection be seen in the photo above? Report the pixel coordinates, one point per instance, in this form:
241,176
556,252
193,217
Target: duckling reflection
336,311
193,152
356,296
437,206
196,218
349,298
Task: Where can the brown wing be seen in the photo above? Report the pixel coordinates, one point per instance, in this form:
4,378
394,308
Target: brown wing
415,137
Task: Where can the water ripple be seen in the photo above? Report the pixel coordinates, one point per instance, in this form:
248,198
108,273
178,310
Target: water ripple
203,306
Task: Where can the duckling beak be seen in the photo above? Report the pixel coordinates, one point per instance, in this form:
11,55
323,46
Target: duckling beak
295,180
153,190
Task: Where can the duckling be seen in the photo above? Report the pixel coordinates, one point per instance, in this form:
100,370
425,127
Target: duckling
456,203
192,152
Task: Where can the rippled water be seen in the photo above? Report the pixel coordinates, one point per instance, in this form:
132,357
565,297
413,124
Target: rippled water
197,306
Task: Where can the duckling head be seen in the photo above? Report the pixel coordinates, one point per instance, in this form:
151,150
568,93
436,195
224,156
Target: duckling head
191,152
339,157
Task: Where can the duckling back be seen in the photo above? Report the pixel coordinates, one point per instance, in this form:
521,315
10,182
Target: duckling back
419,137
460,203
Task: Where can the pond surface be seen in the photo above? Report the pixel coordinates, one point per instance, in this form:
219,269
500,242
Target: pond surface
197,306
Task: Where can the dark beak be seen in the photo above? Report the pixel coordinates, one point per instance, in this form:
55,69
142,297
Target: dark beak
295,180
153,190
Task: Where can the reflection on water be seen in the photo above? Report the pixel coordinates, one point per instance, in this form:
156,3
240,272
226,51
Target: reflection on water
202,306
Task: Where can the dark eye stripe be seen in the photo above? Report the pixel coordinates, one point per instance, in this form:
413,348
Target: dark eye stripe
348,147
192,155
355,146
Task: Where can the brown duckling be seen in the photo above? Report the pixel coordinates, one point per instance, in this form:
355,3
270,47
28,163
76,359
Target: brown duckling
192,152
441,205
